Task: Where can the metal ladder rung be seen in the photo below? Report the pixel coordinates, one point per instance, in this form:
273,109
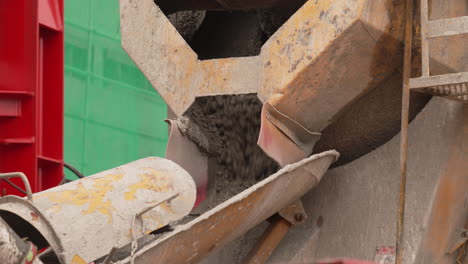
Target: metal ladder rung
460,98
439,80
452,86
447,27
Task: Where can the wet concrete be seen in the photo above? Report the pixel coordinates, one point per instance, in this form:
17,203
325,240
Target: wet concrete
231,125
187,23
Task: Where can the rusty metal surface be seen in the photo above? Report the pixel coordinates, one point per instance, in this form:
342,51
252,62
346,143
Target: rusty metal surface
313,51
304,70
447,27
276,231
399,236
450,51
281,128
449,213
317,42
450,195
172,66
439,80
352,211
452,86
99,209
191,242
269,241
294,213
362,216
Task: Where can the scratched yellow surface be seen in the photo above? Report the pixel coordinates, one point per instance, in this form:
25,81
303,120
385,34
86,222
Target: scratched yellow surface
152,180
94,197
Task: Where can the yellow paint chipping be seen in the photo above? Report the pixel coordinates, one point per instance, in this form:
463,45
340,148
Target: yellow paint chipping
167,208
54,209
152,180
94,198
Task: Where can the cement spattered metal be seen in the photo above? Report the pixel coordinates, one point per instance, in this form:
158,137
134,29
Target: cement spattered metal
84,219
191,242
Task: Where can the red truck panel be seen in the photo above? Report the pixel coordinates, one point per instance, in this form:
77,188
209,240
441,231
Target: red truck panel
31,92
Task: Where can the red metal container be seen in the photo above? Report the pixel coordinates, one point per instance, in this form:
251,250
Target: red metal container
31,92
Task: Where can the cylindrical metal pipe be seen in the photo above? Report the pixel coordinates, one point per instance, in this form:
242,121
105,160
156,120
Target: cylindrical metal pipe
269,241
85,219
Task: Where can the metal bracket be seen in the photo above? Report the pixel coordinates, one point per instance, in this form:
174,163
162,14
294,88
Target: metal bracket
460,242
294,213
23,177
279,227
134,243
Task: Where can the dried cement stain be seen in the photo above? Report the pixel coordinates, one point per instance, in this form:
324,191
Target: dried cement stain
153,180
95,198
